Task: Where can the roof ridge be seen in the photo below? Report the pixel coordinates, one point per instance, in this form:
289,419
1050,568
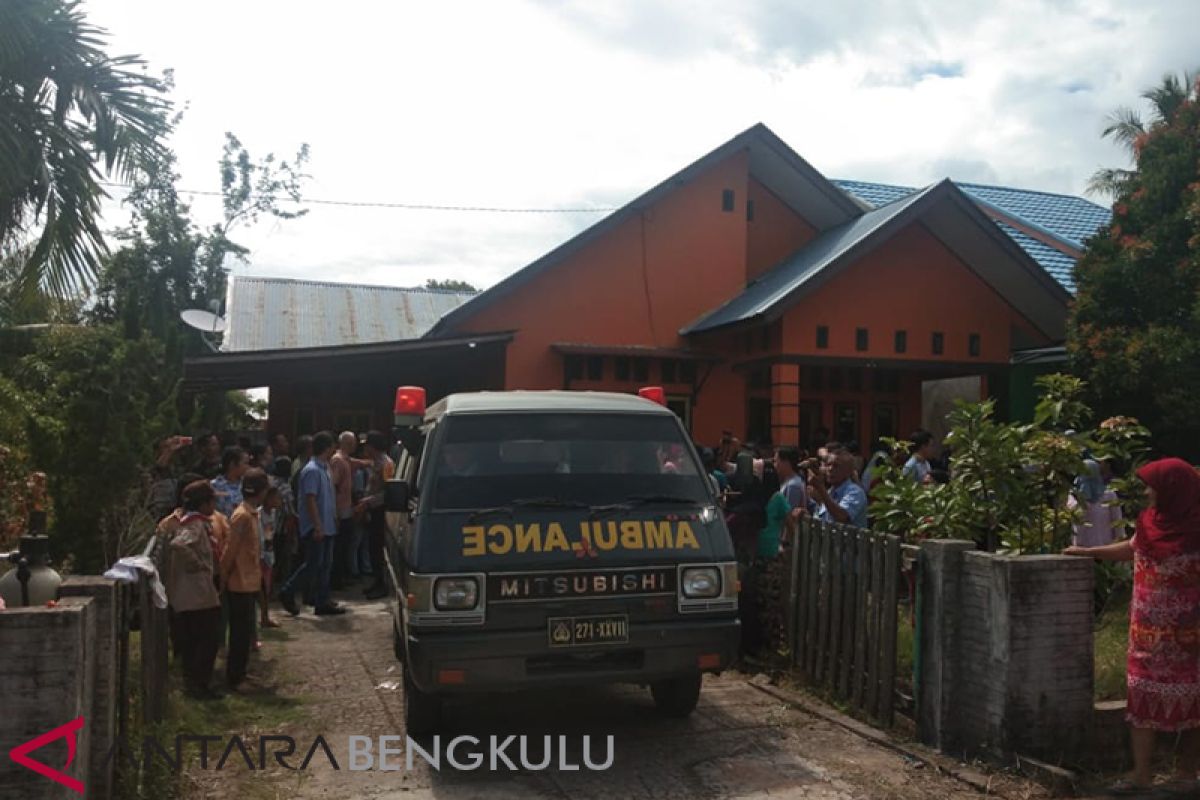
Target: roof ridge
341,284
1031,191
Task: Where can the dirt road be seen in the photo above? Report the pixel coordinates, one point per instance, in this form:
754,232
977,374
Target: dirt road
739,742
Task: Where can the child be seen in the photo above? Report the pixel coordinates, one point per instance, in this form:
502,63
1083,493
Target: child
272,512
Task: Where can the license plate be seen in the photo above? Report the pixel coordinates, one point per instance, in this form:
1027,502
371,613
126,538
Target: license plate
575,631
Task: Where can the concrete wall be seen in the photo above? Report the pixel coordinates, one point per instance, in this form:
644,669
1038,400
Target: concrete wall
1007,664
109,600
47,679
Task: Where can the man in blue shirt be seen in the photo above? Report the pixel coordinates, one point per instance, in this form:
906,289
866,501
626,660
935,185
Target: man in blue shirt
228,485
837,496
316,504
917,467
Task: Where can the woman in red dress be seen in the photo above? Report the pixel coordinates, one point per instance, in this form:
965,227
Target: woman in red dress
1163,671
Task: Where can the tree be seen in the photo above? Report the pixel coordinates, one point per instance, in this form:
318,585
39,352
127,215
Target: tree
66,109
450,285
1134,330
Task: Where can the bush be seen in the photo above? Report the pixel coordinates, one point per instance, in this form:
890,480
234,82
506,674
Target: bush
1009,482
95,404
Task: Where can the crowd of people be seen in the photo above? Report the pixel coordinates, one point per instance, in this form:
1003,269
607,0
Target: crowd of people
238,518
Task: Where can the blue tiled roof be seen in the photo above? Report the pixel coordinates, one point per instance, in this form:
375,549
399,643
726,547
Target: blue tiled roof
1069,219
1072,219
780,281
874,194
1057,263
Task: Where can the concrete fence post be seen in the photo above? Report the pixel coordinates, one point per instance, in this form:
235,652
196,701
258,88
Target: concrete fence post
941,565
107,596
1006,652
47,679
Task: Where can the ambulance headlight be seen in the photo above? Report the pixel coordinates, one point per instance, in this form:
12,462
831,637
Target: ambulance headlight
699,582
455,594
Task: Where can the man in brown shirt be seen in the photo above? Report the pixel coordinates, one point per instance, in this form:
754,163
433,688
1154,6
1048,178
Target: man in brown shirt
241,574
341,471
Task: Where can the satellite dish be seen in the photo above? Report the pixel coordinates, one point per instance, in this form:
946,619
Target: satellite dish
204,321
209,324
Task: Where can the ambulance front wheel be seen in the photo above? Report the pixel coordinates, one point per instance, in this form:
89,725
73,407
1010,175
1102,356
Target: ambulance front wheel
676,697
422,711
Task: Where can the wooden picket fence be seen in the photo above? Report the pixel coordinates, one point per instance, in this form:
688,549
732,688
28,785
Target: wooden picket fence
842,613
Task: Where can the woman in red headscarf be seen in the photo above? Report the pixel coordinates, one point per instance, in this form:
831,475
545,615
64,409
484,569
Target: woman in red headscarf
1163,671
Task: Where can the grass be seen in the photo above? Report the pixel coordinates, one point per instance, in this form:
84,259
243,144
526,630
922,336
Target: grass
245,715
1112,643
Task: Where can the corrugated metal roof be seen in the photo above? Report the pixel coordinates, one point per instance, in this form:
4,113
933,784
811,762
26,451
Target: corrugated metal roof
281,313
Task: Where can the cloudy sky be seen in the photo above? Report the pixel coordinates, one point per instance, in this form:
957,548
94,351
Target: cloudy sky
587,103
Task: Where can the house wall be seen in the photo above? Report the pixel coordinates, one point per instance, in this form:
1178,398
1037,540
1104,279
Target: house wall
914,283
911,283
774,233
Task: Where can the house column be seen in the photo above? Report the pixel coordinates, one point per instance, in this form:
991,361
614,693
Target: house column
785,404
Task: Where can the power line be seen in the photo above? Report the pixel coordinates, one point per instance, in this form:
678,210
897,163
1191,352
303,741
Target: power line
403,206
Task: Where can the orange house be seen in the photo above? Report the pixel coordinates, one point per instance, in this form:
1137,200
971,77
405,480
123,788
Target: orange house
770,302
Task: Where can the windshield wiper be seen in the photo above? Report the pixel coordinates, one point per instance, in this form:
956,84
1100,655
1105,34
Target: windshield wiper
635,500
526,502
672,499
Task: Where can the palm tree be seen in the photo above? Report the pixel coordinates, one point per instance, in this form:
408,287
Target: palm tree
66,108
1127,128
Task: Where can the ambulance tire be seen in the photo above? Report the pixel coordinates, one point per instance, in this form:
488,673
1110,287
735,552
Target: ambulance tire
676,697
422,711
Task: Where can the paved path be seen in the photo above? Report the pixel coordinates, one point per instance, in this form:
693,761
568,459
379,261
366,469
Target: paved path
739,742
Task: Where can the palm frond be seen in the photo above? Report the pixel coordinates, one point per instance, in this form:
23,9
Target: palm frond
68,110
1109,182
1124,127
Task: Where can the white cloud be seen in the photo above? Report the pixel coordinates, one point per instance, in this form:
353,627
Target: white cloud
574,104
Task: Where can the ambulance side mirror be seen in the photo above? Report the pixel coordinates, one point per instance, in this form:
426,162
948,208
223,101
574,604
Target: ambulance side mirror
396,495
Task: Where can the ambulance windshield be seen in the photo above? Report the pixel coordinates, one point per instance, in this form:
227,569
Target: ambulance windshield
594,459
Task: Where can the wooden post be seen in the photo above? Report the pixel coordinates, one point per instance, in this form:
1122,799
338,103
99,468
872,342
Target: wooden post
791,612
823,604
861,605
800,606
890,610
849,615
876,617
812,594
835,604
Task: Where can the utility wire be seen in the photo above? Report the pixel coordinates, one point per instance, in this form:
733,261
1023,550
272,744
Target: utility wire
403,206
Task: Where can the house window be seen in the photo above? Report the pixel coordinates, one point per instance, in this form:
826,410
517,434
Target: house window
687,372
621,368
764,339
822,337
973,344
595,368
641,370
727,200
574,367
939,343
749,211
760,378
306,421
901,341
814,378
854,379
835,379
667,367
861,339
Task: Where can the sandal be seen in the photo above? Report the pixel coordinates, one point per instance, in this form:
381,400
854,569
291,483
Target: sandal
270,623
1127,788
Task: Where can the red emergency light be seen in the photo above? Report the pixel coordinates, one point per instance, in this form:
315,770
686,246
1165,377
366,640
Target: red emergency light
654,394
409,408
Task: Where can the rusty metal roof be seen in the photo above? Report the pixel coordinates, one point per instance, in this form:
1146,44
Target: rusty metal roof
282,313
